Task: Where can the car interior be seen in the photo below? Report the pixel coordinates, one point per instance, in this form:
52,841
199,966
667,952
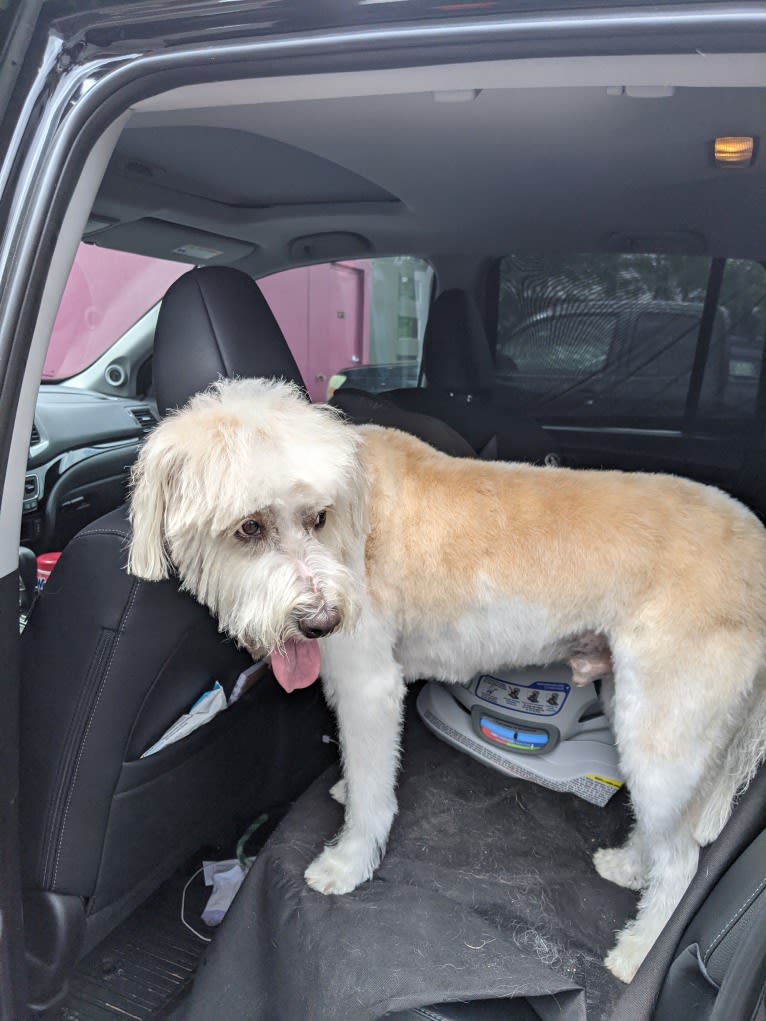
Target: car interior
598,301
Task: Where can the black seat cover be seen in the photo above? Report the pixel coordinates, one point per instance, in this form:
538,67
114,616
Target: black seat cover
458,370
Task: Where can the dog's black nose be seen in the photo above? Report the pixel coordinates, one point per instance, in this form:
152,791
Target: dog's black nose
313,632
321,624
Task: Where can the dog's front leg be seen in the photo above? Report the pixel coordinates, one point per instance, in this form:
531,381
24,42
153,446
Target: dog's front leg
364,684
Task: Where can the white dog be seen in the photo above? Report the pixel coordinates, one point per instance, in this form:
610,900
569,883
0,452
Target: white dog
307,536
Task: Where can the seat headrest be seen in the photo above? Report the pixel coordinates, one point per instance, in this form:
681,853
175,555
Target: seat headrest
215,322
456,354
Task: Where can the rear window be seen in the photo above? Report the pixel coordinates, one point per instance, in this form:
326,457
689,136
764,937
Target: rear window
614,337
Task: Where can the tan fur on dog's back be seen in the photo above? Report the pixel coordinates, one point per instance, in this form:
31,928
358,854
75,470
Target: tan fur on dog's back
651,544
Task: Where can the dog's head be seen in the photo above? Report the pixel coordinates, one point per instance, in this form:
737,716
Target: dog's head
257,499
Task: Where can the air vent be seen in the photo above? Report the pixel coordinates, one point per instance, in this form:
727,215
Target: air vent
35,437
144,417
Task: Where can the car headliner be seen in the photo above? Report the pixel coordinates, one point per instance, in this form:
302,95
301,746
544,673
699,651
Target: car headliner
472,159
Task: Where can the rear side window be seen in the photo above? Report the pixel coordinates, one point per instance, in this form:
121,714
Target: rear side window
559,345
613,338
664,343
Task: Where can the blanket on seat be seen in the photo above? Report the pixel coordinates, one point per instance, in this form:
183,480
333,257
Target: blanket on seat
487,891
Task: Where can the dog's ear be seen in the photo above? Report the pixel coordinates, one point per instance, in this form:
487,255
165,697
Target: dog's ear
153,478
352,500
356,497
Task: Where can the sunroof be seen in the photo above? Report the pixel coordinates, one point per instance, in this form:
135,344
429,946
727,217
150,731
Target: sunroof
238,168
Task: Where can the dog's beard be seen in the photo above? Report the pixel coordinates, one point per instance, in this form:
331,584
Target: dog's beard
261,599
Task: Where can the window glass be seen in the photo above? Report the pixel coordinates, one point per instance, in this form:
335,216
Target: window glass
614,337
107,292
356,323
559,344
664,342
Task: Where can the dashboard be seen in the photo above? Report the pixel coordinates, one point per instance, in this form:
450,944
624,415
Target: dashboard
81,451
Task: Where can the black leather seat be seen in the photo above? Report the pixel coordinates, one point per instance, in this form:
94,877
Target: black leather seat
109,662
460,387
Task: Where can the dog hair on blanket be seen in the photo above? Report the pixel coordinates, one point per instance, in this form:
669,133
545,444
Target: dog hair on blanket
308,537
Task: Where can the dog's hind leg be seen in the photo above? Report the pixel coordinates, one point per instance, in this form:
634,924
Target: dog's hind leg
672,719
364,685
661,855
737,765
671,861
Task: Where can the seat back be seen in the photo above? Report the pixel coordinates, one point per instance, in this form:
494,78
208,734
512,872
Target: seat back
456,355
109,662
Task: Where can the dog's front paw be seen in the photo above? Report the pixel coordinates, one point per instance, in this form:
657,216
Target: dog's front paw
338,791
621,865
336,871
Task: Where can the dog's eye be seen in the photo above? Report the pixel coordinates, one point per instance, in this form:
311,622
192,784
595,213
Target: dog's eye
319,520
249,529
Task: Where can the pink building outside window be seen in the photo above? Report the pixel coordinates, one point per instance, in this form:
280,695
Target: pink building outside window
107,293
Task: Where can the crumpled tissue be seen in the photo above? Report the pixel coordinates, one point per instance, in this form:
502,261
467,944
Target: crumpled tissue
226,878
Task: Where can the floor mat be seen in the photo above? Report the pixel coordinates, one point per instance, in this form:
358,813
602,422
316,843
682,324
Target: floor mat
145,967
141,970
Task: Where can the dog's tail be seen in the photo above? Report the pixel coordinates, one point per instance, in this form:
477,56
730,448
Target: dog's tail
740,762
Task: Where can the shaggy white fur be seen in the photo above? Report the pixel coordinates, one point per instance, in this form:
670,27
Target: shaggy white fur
306,536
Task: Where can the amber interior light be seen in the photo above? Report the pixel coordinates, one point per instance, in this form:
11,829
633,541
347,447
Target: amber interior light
734,151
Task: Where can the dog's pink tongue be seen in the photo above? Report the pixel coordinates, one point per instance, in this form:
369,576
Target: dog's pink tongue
298,665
